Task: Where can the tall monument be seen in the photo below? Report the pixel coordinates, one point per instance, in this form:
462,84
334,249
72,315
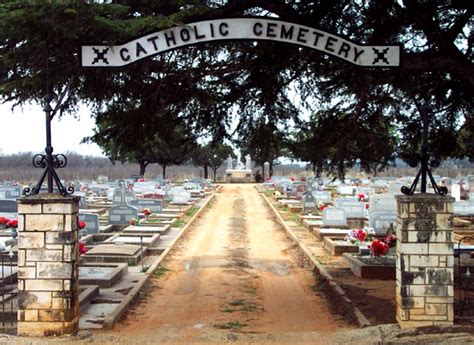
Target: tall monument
240,173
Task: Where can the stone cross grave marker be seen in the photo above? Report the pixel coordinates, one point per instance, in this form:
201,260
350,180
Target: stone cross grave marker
334,217
155,205
309,201
122,195
92,223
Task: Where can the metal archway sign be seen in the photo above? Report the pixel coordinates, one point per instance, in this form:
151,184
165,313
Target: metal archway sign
251,28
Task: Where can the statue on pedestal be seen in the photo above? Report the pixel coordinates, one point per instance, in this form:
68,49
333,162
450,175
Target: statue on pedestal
240,165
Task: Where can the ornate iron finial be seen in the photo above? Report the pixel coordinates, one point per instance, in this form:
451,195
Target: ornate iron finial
48,161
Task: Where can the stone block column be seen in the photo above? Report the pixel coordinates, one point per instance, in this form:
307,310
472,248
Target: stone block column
425,260
48,264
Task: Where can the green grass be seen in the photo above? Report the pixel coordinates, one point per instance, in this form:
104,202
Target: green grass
230,325
237,302
160,271
269,193
178,223
227,310
191,211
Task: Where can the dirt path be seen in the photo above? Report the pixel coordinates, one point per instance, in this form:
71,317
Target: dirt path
234,273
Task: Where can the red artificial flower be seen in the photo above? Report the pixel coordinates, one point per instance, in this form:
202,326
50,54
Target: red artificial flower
361,235
141,180
378,248
4,220
322,207
81,224
366,206
146,212
82,248
12,223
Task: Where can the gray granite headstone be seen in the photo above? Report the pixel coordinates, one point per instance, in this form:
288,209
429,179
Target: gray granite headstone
155,205
92,223
121,214
8,206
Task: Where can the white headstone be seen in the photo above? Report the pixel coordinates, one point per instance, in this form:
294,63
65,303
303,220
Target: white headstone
456,192
334,217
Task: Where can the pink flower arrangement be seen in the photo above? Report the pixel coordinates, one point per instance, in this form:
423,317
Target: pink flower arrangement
4,220
146,212
81,224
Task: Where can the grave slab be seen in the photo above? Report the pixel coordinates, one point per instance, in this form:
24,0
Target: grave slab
320,233
367,267
338,246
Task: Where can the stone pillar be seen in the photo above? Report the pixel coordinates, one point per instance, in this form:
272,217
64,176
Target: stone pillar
48,264
425,260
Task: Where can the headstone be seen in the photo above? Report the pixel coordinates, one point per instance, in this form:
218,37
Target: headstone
155,205
382,203
248,162
334,217
345,190
365,190
324,197
180,196
102,179
382,221
309,202
82,201
92,224
10,192
471,196
266,169
8,206
123,195
456,192
354,210
463,208
395,188
122,214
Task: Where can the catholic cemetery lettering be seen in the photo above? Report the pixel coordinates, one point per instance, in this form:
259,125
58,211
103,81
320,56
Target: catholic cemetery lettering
240,29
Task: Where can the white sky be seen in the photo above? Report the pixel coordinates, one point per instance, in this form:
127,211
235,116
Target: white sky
24,130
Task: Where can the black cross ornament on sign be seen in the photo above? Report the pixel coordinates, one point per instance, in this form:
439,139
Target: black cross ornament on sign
100,55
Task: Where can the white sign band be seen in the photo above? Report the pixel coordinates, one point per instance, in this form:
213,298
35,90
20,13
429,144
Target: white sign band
239,29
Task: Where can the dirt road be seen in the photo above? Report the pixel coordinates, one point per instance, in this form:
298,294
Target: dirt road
235,273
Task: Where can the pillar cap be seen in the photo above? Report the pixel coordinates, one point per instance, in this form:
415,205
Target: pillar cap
424,197
48,198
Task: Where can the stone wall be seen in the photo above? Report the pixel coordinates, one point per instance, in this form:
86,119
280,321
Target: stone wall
425,260
48,261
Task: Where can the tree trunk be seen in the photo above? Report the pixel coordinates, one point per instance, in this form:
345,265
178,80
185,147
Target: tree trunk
270,170
214,170
143,166
206,172
164,171
263,172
